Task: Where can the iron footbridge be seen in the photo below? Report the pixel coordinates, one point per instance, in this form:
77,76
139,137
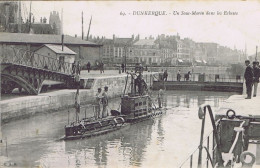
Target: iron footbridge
26,69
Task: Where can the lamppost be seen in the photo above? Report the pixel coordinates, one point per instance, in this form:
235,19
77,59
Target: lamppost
126,51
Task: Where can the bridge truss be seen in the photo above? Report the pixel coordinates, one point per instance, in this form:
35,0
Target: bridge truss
25,69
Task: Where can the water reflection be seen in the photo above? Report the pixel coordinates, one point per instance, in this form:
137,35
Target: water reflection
33,142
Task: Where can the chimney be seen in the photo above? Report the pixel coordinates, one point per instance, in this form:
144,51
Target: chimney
7,13
76,35
44,20
138,37
41,20
114,37
62,41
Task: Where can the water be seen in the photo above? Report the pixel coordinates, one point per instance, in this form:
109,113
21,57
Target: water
163,142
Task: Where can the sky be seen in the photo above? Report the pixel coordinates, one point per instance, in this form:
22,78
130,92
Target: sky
240,30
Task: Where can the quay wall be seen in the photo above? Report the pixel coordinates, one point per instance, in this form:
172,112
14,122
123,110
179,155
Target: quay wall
26,106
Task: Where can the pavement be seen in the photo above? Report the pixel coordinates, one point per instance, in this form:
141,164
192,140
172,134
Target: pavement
84,74
241,106
92,74
96,73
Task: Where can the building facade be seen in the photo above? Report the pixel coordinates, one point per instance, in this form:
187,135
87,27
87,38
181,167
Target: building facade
116,50
147,52
56,52
85,51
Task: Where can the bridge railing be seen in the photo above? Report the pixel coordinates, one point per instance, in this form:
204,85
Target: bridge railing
197,77
208,160
28,58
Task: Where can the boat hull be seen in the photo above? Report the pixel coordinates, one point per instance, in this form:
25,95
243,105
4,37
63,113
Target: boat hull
97,132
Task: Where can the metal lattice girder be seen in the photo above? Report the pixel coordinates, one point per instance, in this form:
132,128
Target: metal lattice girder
31,78
21,82
31,59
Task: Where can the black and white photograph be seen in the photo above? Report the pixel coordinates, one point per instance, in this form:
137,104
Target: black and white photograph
130,84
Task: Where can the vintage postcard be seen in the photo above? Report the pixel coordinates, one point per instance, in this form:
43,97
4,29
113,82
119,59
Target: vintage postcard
146,84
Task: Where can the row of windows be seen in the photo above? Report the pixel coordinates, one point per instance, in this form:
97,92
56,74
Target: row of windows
140,103
121,51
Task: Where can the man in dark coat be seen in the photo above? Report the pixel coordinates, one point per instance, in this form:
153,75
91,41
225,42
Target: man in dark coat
256,71
101,67
123,67
249,75
88,66
165,75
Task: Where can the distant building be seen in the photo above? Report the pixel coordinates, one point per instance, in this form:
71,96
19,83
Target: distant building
175,50
147,52
183,52
168,49
212,54
35,28
85,50
253,57
8,14
9,21
169,56
56,52
55,22
116,50
199,54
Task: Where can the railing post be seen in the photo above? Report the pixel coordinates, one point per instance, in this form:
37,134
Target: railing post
208,153
213,147
191,159
201,139
219,155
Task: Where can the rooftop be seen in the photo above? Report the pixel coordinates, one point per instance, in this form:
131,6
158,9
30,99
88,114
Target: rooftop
42,39
145,42
58,49
123,40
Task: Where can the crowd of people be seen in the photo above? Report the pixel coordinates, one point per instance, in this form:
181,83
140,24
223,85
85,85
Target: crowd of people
251,75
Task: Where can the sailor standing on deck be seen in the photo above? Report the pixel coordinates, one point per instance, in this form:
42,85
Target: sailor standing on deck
160,98
98,103
249,79
105,102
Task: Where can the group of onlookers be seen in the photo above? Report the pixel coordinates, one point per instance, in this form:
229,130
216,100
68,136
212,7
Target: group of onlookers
187,77
251,75
76,67
164,76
